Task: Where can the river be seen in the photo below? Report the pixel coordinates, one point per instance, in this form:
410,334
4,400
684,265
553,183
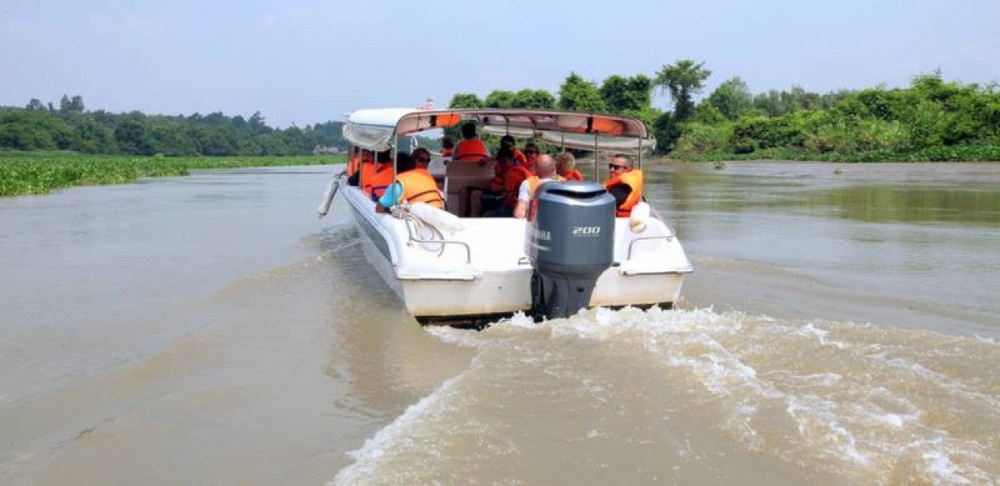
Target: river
841,326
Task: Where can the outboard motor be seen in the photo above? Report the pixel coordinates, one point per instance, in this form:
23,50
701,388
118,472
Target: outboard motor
570,242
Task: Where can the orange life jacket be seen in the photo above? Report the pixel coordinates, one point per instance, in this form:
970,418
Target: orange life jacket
419,186
499,172
572,175
632,179
368,172
535,181
471,149
354,164
530,164
520,158
512,180
380,182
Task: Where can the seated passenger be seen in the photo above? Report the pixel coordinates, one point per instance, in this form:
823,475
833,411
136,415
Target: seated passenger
353,162
545,168
368,170
471,148
421,157
382,179
415,185
531,154
625,184
447,147
361,157
566,167
507,141
506,184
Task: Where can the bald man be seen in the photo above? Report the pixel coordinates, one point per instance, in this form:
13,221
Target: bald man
545,171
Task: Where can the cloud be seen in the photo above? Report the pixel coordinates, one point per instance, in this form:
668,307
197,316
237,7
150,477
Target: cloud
130,23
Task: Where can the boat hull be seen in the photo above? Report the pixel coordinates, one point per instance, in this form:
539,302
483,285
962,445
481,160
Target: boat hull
494,276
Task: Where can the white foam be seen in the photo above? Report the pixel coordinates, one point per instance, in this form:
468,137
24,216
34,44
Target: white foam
818,423
846,422
937,460
367,458
468,338
810,330
518,320
986,340
940,465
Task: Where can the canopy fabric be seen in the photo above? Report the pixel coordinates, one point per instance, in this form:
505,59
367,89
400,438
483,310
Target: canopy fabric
577,140
375,129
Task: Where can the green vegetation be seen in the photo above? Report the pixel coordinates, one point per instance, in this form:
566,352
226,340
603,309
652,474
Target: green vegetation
71,127
932,120
39,173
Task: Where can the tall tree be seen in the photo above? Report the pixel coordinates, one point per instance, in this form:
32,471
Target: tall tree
621,94
465,100
499,99
732,98
535,99
256,124
132,135
71,105
682,80
35,105
579,94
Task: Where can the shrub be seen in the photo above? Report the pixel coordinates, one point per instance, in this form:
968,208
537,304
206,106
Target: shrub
699,139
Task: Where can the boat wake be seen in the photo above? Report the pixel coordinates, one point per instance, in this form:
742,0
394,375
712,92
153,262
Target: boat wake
695,396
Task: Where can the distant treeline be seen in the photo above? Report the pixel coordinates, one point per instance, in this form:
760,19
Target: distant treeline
931,120
40,126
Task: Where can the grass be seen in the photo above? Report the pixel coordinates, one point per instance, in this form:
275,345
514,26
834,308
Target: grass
24,173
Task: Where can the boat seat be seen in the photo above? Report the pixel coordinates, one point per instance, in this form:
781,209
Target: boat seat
460,179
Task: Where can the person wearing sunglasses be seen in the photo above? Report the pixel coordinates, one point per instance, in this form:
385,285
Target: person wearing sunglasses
625,184
531,153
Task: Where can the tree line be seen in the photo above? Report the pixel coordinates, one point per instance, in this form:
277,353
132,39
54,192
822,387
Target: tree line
71,127
932,119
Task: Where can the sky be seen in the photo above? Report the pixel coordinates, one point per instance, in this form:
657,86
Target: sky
306,62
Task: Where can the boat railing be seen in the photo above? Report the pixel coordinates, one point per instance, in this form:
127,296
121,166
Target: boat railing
411,238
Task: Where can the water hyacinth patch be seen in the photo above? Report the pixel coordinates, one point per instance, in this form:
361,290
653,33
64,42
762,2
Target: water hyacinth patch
39,173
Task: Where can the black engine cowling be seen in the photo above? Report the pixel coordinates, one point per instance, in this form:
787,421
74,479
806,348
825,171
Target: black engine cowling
570,242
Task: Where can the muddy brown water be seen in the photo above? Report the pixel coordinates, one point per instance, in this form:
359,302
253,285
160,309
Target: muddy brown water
841,327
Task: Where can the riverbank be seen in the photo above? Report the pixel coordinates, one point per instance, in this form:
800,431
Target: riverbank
962,153
26,173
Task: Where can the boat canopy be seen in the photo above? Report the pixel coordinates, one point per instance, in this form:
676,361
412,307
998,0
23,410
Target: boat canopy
375,129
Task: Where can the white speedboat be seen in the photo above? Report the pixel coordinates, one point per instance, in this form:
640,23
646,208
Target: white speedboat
446,266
